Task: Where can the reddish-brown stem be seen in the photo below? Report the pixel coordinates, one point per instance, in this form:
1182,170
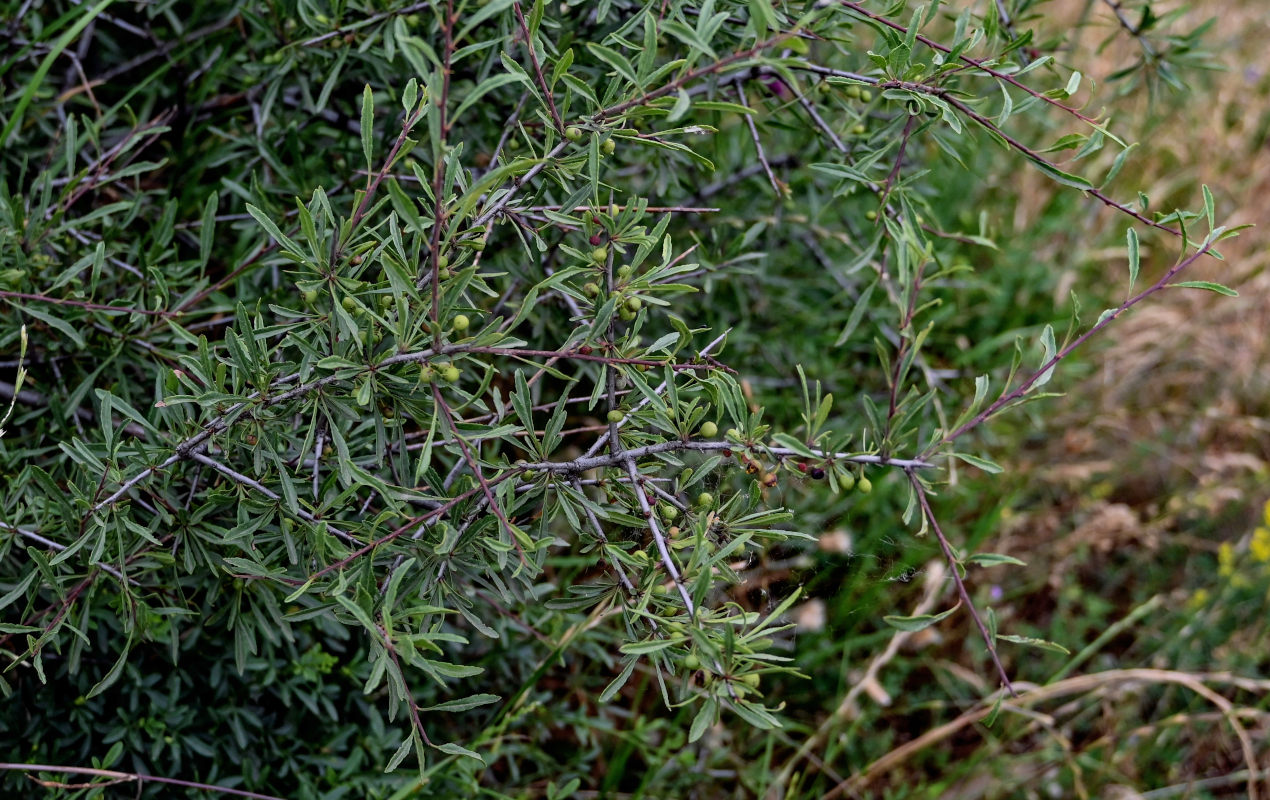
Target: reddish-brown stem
954,566
977,64
61,301
1009,397
533,59
133,776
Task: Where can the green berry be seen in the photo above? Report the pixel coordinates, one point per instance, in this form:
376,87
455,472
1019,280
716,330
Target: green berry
615,416
668,511
634,304
751,680
450,373
349,303
853,92
846,481
866,95
599,254
626,315
443,262
692,661
705,500
591,290
624,272
870,215
461,323
311,297
733,433
477,244
823,88
573,133
864,485
385,301
709,430
425,374
609,147
859,130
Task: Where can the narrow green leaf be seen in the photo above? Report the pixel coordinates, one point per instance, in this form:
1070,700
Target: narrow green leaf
918,622
368,121
1207,286
1041,644
1134,255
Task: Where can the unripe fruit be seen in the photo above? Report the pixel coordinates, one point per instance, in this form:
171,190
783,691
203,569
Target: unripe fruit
615,416
865,485
443,262
599,254
450,373
673,531
591,290
823,88
425,374
709,430
311,297
624,272
866,95
668,512
349,303
461,323
572,133
626,315
846,481
609,147
858,129
478,245
634,304
751,680
692,661
705,500
733,433
385,301
870,215
853,92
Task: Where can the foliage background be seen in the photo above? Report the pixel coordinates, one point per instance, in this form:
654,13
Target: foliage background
1161,564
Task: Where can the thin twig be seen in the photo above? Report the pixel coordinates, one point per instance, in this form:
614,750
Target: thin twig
954,566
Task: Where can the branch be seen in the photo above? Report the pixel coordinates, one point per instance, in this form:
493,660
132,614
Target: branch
954,565
133,776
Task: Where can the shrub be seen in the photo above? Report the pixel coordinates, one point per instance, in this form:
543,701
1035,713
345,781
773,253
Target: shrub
413,384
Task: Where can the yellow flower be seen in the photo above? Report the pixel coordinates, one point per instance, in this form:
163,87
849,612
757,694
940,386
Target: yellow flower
1226,560
1260,547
